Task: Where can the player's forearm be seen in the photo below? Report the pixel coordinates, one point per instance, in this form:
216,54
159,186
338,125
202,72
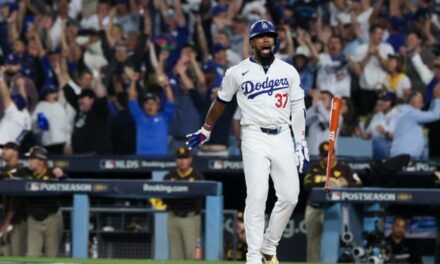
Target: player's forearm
236,129
215,111
299,124
298,110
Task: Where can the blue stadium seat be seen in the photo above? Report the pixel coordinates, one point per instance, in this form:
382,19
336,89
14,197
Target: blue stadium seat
354,147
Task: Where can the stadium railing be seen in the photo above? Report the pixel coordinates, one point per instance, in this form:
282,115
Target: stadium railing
82,189
339,210
126,164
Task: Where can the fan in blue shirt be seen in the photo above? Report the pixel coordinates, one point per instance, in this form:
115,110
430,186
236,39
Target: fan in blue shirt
151,122
408,135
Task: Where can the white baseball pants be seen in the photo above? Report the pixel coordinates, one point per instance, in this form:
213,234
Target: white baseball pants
265,154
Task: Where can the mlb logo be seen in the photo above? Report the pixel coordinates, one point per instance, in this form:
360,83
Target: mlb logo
218,164
108,164
33,186
335,196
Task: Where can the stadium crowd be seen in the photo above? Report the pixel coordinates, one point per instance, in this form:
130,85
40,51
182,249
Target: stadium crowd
137,76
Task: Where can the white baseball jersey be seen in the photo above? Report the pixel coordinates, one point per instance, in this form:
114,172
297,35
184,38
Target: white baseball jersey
264,98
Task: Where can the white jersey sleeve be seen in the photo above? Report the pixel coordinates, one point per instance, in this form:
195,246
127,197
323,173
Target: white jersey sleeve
228,86
298,108
297,93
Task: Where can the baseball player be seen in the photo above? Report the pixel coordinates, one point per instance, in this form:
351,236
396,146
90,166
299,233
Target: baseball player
272,104
44,218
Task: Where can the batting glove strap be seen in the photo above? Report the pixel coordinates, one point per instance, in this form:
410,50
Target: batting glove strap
198,138
302,156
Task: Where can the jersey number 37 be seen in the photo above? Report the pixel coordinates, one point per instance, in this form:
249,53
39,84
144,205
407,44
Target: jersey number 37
281,100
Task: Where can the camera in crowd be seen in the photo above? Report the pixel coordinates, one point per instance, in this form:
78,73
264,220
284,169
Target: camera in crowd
347,247
375,249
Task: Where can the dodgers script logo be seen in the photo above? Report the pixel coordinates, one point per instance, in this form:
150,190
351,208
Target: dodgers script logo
253,90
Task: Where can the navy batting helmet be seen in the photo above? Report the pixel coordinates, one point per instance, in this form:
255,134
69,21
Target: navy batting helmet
262,26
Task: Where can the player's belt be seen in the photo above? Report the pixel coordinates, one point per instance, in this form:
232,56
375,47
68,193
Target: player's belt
271,131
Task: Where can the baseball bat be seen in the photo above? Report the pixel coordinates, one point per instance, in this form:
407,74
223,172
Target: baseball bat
333,127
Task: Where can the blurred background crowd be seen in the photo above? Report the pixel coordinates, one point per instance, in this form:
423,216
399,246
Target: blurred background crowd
137,76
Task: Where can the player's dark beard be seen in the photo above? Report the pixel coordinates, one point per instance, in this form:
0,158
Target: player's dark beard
264,59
